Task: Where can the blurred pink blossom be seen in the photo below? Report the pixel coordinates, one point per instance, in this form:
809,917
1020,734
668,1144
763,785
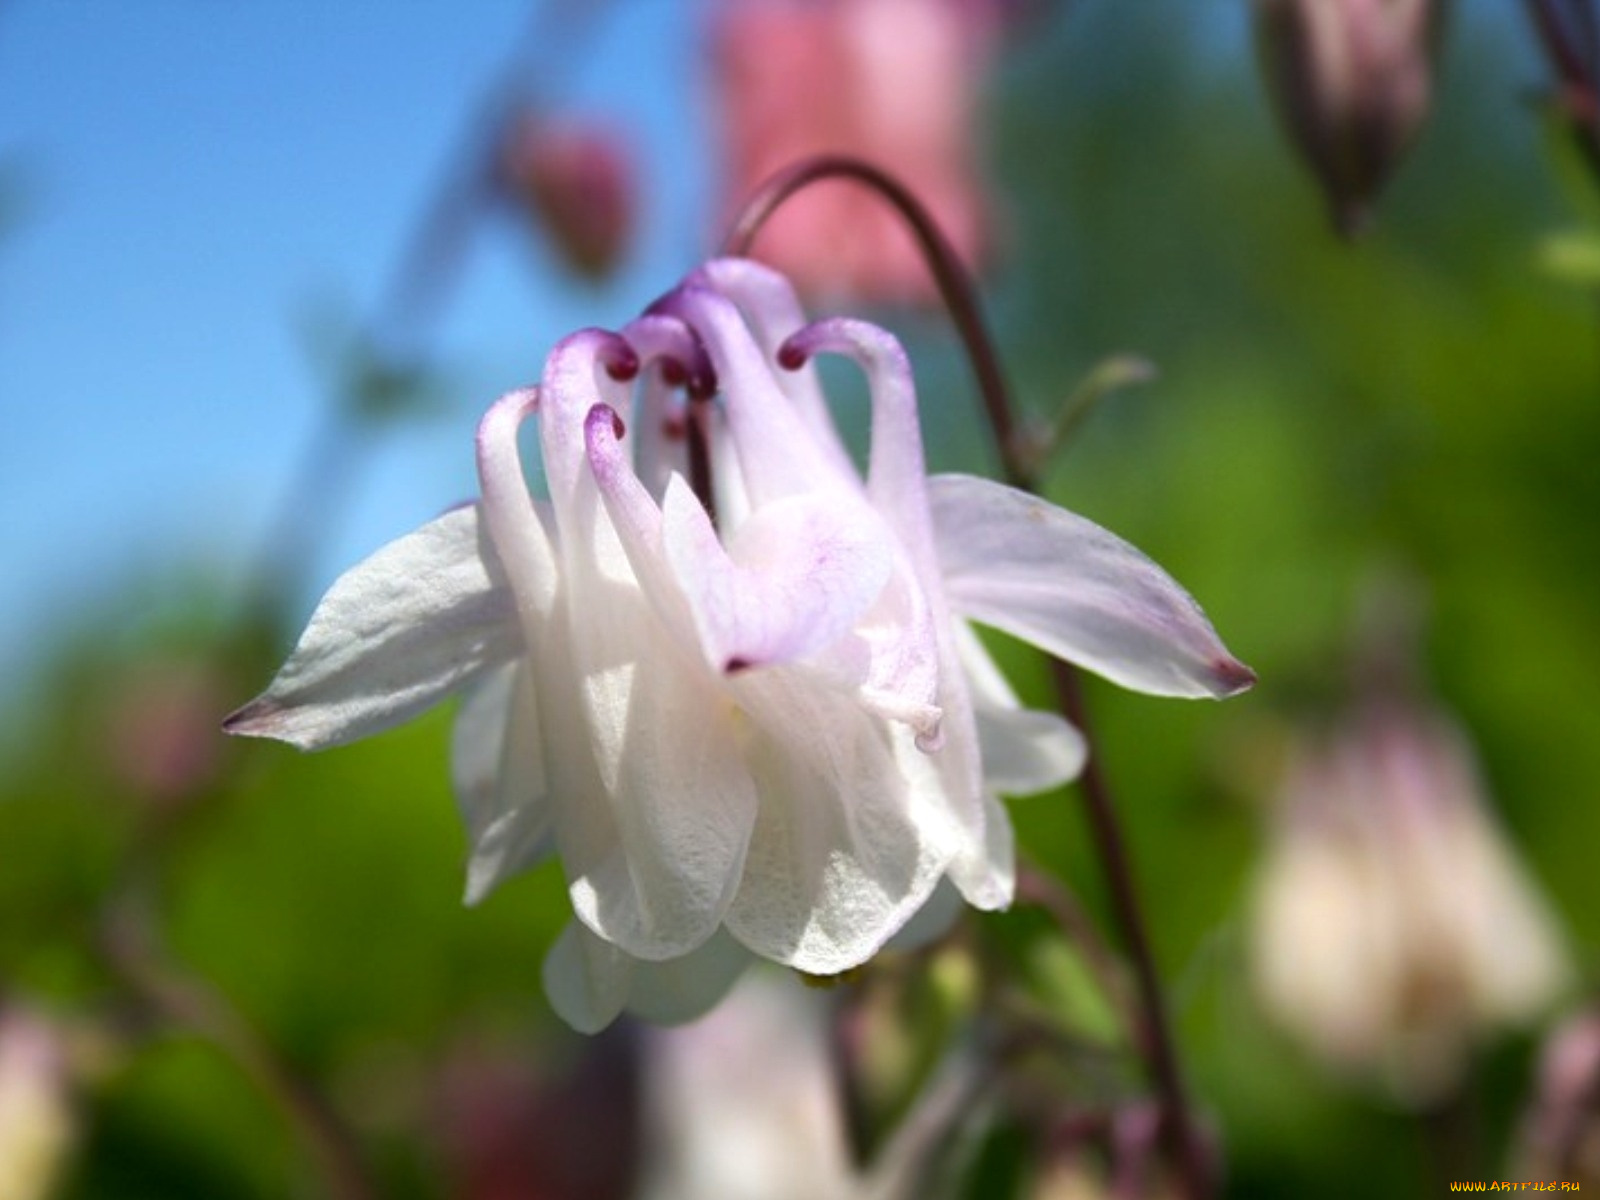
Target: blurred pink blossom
894,82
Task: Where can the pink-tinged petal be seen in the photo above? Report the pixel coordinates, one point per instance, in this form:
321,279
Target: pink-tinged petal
851,837
653,808
497,764
982,865
778,453
582,371
1036,571
910,657
793,579
678,990
394,635
586,979
774,313
896,473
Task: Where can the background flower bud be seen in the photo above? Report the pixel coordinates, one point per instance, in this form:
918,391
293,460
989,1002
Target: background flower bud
1560,1136
1352,81
575,182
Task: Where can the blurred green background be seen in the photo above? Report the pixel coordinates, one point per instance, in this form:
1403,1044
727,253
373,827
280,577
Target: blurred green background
1423,403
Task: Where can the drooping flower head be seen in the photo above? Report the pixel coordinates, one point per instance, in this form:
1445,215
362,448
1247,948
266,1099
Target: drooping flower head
720,671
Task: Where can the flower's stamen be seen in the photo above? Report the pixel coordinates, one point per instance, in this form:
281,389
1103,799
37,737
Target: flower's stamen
1154,1032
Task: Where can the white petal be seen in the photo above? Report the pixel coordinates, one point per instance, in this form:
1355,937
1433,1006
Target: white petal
683,802
850,839
680,989
498,764
1024,751
1023,565
394,635
586,979
986,871
654,742
932,921
514,525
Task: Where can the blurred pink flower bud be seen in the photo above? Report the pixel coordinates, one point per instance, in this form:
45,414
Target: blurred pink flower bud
1352,81
1560,1137
1393,926
162,741
37,1127
1569,31
575,182
894,82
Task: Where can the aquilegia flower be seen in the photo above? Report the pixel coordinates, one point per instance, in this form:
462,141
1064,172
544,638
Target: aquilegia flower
726,679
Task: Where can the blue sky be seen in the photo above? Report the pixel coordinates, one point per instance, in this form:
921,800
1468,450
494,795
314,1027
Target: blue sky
196,179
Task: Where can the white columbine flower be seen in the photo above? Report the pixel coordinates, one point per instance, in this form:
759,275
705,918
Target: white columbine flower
747,712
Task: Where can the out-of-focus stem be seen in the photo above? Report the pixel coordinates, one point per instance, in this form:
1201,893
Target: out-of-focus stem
960,297
193,1005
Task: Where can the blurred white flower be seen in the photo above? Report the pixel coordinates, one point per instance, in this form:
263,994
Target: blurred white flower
37,1127
746,1105
747,710
1394,927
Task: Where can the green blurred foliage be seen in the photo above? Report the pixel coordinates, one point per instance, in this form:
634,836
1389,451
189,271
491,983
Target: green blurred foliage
1425,401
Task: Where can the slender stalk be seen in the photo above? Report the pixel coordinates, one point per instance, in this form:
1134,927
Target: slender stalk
194,1005
955,285
960,297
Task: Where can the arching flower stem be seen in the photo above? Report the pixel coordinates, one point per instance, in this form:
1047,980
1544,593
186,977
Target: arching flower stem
955,286
1153,1028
